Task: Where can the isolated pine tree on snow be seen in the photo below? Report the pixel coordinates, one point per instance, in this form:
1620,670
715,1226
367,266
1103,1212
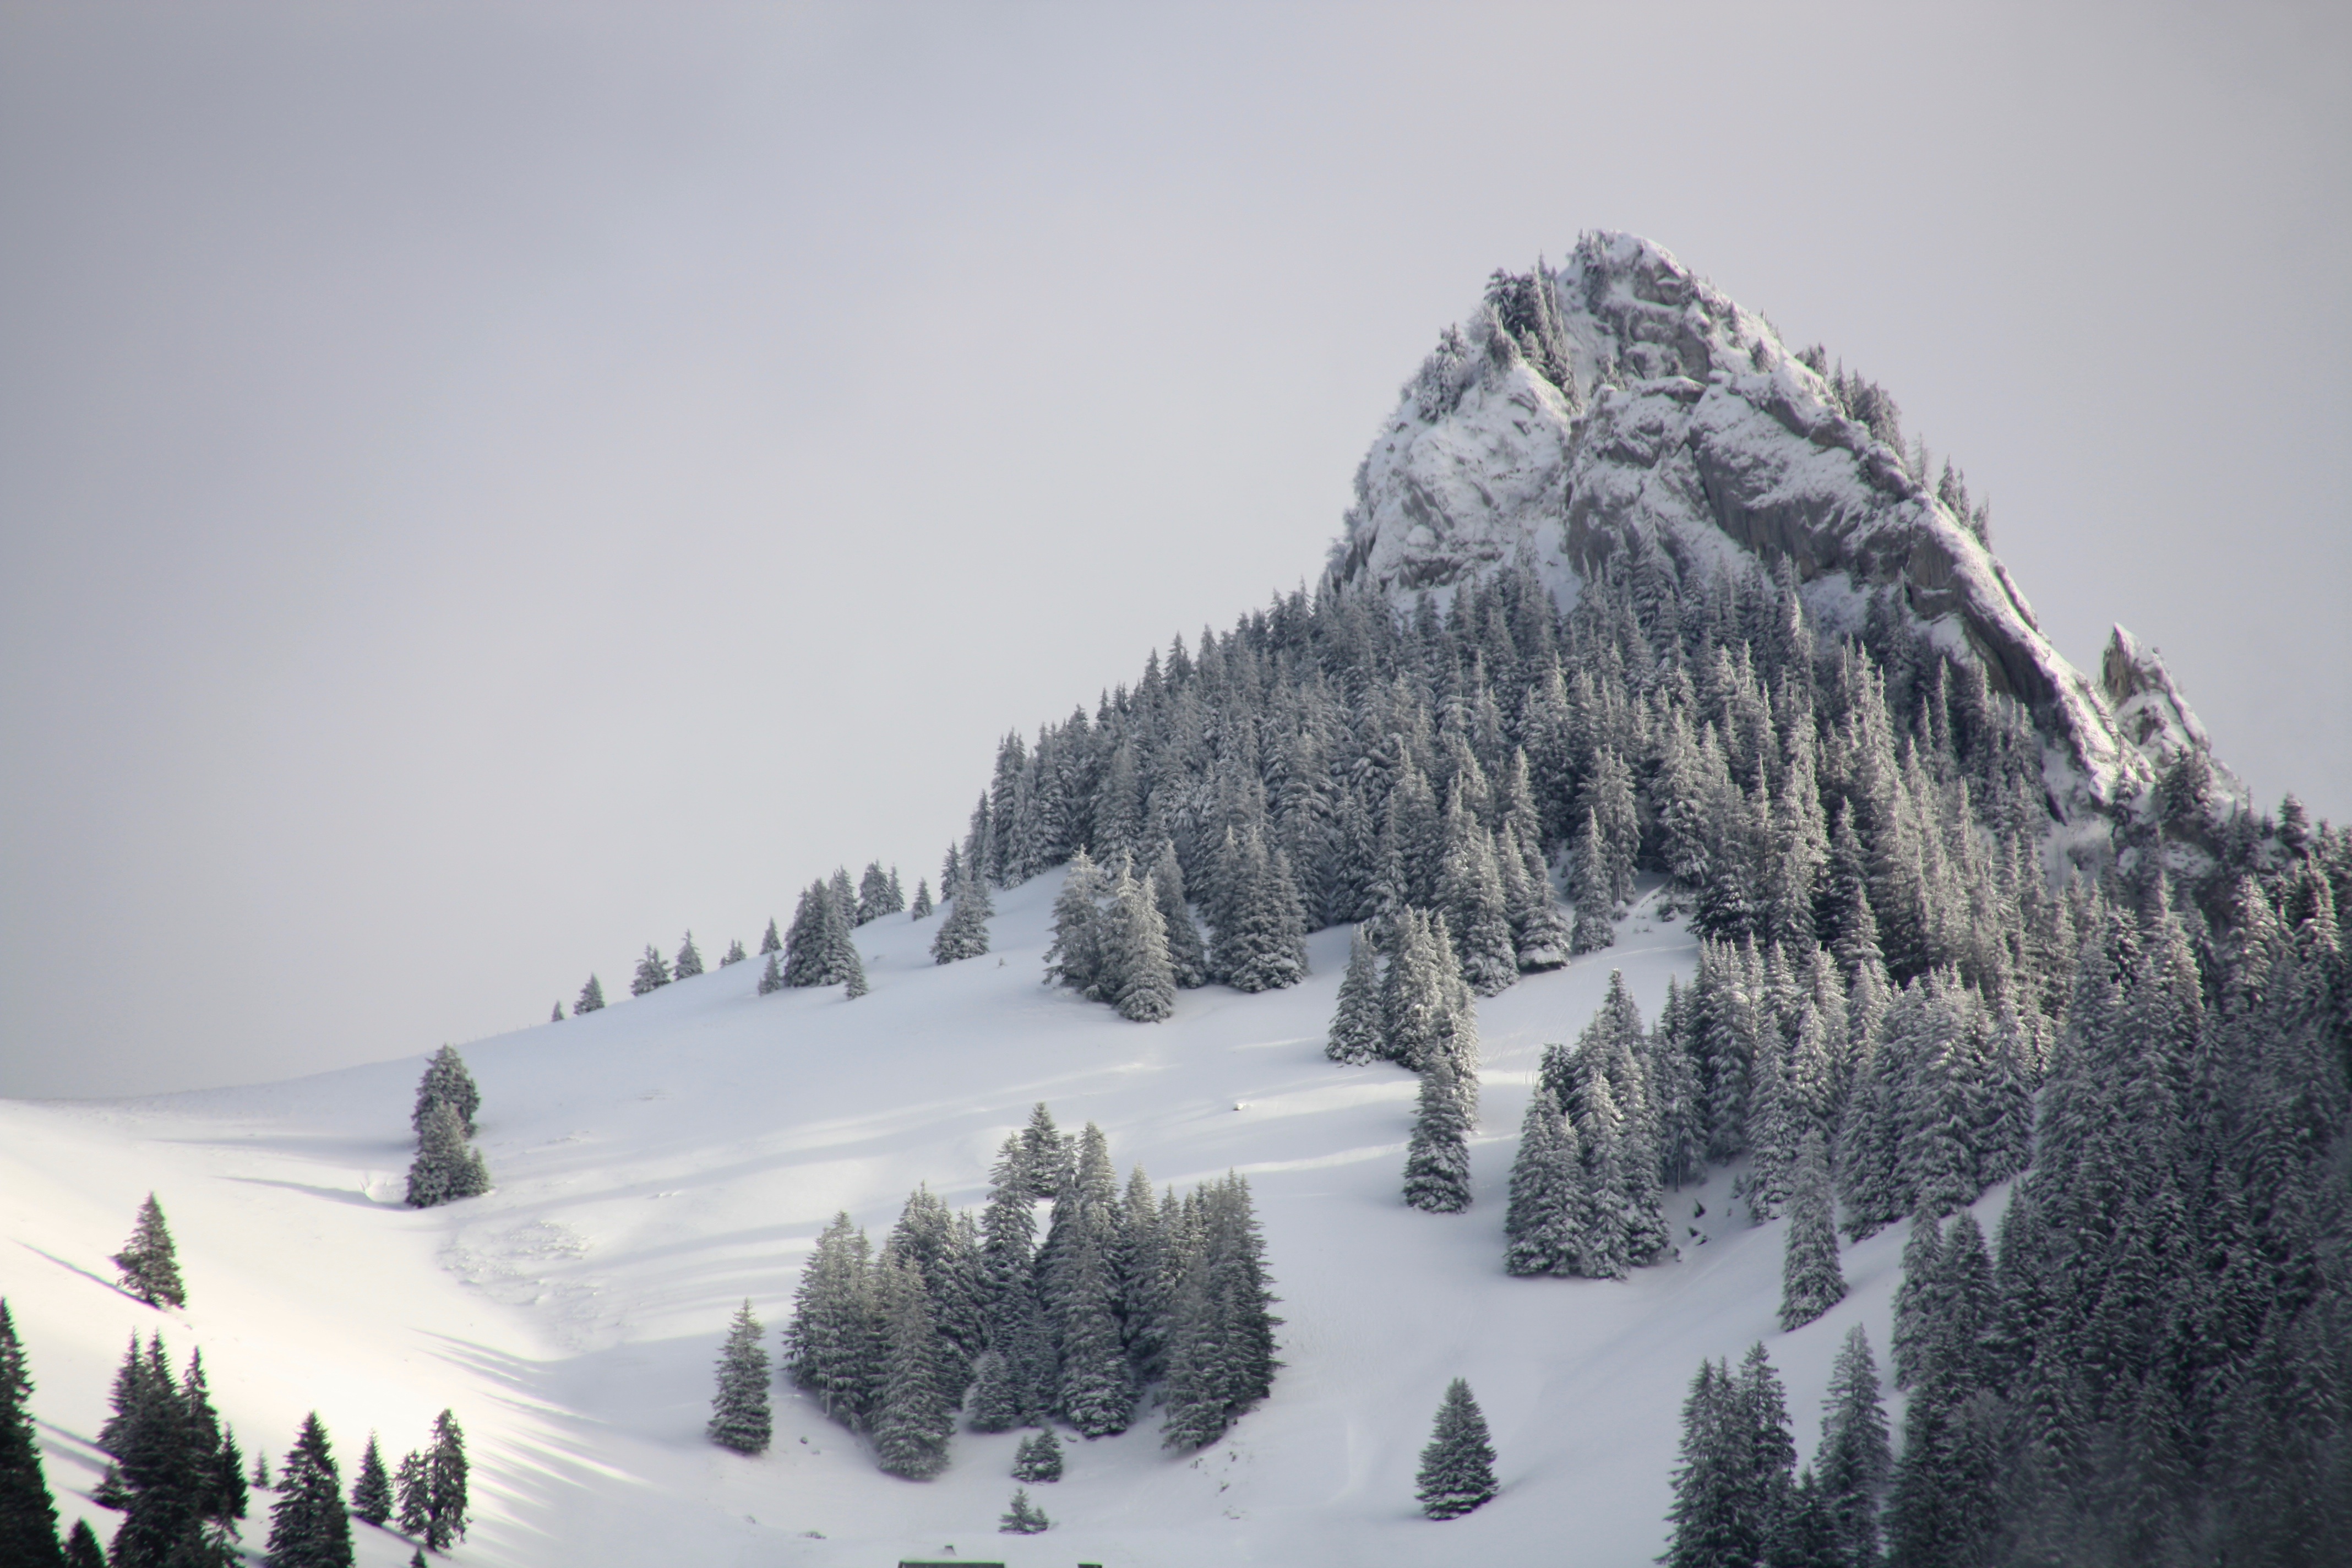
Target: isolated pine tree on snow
556,1016
653,974
772,942
964,934
1356,1021
1457,1467
151,1268
592,997
309,1526
28,1515
371,1488
689,960
446,1081
445,1169
1038,1459
771,978
1437,1157
445,1501
1811,1281
738,1410
921,909
1023,1518
734,954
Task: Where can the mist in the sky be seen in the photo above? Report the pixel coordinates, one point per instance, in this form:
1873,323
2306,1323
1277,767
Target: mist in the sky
484,489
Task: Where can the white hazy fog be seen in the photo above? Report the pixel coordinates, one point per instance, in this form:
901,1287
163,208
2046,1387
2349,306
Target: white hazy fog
483,489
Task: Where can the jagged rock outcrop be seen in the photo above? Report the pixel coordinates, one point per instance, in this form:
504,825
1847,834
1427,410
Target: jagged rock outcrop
1622,409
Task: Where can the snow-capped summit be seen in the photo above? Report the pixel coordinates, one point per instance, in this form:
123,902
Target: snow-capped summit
1620,409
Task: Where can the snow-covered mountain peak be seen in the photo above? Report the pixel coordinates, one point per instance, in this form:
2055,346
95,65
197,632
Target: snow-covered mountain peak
1620,409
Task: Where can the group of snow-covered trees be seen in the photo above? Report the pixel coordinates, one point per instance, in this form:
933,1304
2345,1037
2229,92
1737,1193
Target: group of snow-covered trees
1133,944
446,1166
1125,1294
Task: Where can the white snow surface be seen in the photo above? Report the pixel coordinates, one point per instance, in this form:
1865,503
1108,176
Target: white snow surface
660,1161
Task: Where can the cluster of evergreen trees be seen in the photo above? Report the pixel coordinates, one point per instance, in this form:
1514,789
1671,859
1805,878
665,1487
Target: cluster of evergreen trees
1131,943
446,1166
1123,1291
1739,1499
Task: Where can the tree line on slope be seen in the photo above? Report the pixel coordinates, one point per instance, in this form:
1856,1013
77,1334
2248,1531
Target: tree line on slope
2152,1363
1123,1296
177,1477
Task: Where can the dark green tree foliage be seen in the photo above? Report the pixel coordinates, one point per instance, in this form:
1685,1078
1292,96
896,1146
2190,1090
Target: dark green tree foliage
1023,1518
1734,1486
178,1477
1811,1280
1853,1462
150,1265
445,1500
1038,1459
1457,1467
592,998
447,1082
371,1488
1437,1156
411,1484
653,973
82,1549
445,1168
912,1418
739,1418
29,1514
832,1344
309,1526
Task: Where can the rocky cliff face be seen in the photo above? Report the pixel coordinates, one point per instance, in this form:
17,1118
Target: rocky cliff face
1622,406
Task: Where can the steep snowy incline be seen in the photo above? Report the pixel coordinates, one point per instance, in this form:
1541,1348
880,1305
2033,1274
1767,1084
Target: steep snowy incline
1628,411
660,1161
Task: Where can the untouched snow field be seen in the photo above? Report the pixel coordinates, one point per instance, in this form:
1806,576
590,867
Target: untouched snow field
660,1161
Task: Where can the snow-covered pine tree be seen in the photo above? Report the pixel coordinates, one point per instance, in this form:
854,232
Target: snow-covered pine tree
1916,1307
1853,1462
149,1263
946,1247
995,1403
592,997
1221,1330
446,1503
832,1346
309,1526
877,893
653,973
445,1169
1267,947
922,905
1097,1395
1187,960
689,960
1023,1517
913,1420
740,1418
1596,924
770,942
1811,1280
556,1016
446,1080
1038,1459
1543,1227
1137,944
1457,1467
1437,1156
414,1493
1470,894
29,1514
1356,1021
734,955
371,1488
771,978
964,934
1075,957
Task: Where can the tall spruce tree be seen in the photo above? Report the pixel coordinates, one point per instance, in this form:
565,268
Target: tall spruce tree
445,1500
1457,1467
372,1500
1355,1034
309,1526
1187,960
28,1515
913,1418
1811,1280
149,1262
740,1418
1853,1462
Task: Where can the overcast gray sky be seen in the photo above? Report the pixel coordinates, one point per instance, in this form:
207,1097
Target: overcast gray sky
484,488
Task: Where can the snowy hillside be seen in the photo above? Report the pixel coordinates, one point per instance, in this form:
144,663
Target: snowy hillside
661,1160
